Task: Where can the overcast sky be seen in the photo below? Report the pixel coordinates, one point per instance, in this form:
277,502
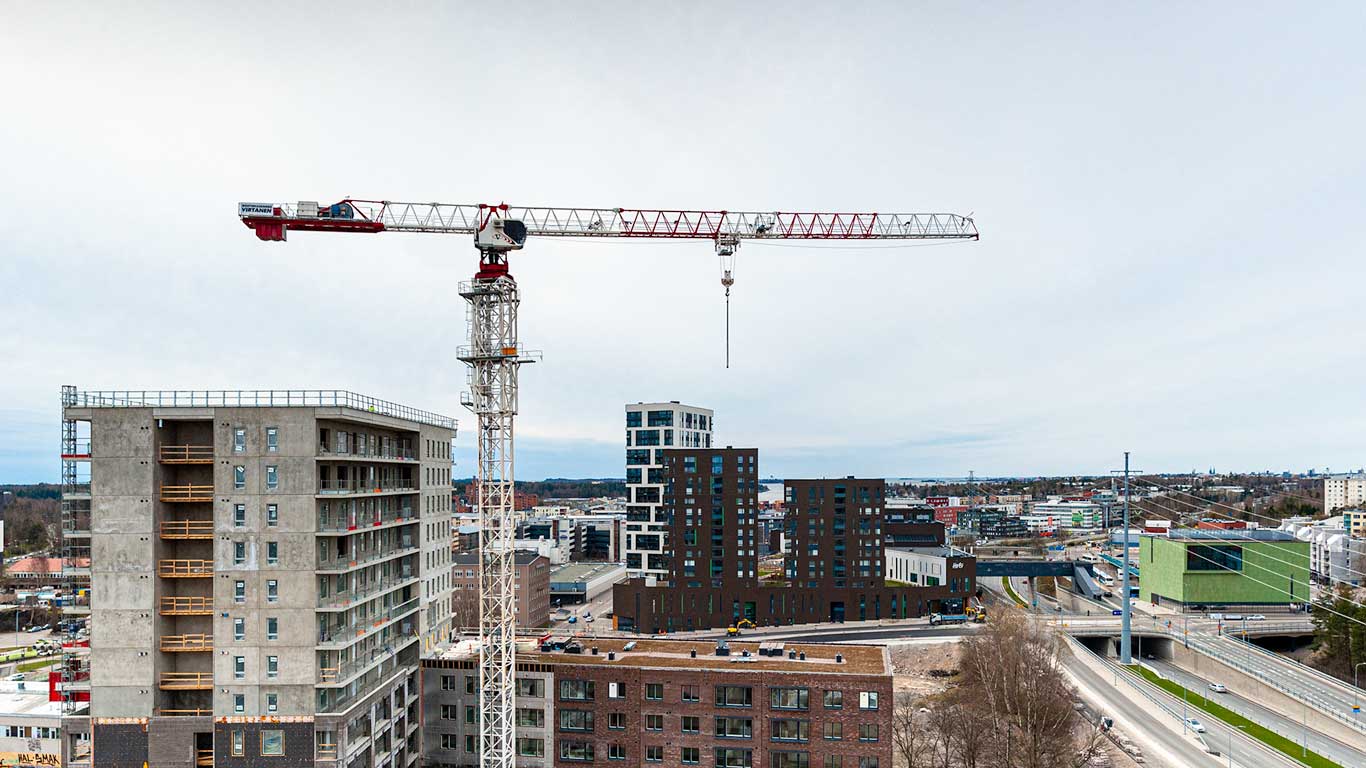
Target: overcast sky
1169,199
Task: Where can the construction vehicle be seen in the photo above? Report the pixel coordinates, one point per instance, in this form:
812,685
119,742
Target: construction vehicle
494,353
973,615
735,628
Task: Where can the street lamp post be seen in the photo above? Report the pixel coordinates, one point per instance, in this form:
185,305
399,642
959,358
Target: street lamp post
1230,746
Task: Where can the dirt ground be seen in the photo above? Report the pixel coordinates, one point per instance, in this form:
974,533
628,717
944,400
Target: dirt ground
923,669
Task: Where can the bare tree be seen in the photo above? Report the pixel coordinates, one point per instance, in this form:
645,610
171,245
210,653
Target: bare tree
910,740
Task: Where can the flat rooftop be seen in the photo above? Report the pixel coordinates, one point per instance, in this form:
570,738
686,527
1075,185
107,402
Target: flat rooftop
583,571
675,654
1211,534
251,398
32,701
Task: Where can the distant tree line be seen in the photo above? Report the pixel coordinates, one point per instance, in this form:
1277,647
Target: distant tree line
560,488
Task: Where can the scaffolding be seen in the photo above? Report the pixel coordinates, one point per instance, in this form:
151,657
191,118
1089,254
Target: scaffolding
75,553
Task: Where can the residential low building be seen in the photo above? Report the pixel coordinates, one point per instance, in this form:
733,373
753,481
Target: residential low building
673,703
31,726
532,581
1344,491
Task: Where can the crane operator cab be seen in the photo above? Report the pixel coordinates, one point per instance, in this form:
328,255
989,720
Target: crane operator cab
500,234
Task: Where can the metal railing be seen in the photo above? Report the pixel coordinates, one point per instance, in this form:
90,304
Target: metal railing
176,643
184,712
187,454
348,599
342,523
251,398
187,493
391,486
335,564
187,529
184,569
393,454
359,629
186,606
185,681
325,751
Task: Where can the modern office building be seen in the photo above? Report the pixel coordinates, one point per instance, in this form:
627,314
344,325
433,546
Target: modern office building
651,429
929,566
673,703
1354,522
833,566
266,568
1190,566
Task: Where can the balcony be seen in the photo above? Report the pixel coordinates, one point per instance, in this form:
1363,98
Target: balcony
342,564
351,633
187,529
336,488
186,493
325,751
186,643
185,569
186,681
186,454
334,523
343,600
186,606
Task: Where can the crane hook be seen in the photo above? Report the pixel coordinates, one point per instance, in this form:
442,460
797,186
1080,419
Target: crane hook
726,246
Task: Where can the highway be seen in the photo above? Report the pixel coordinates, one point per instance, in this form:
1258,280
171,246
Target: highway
1344,754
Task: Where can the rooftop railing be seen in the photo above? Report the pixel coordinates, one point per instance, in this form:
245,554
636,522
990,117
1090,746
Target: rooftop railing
250,398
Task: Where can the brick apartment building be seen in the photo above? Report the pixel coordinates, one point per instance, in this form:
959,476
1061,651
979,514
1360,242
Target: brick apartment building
532,583
833,570
674,704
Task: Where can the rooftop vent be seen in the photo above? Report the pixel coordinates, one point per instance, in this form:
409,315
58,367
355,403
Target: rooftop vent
611,656
839,658
802,655
692,654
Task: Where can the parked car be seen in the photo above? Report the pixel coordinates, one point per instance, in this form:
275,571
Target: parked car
1256,617
1218,688
1194,725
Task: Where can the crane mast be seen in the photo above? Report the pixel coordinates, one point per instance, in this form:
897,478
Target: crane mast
494,353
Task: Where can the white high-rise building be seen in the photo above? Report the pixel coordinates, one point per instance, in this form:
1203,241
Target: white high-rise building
1340,491
651,428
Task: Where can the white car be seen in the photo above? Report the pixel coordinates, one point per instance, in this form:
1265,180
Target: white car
1194,725
1255,617
1218,688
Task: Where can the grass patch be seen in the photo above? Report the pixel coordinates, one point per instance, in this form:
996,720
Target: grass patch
26,653
1195,699
32,665
1010,592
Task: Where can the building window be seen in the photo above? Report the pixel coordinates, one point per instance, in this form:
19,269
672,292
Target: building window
616,721
272,702
471,715
239,515
691,724
691,756
272,477
450,741
834,761
450,712
576,750
239,440
728,757
239,591
239,629
272,553
469,684
633,418
734,696
531,687
530,747
576,720
448,682
272,667
239,553
834,699
832,731
239,743
867,762
272,742
239,667
272,628
692,693
272,515
530,718
239,703
867,700
654,754
239,477
734,728
272,439
790,760
654,691
576,690
616,690
791,730
867,732
654,722
272,591
616,752
788,698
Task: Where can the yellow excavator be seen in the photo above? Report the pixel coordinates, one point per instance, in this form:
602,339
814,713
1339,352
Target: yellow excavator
735,628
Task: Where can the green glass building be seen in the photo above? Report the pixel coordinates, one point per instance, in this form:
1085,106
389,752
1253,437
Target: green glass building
1197,567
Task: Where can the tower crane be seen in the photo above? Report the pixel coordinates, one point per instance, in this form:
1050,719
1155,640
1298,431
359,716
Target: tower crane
494,353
